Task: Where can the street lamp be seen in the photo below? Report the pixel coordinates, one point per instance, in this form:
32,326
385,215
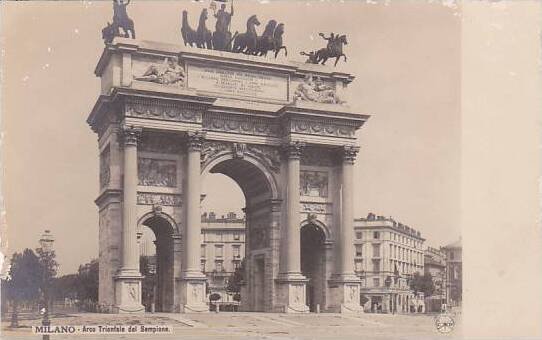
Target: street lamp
46,242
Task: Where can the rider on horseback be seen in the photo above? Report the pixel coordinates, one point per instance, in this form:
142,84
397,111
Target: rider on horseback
121,19
330,40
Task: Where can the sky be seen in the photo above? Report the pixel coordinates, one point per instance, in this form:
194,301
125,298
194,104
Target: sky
405,56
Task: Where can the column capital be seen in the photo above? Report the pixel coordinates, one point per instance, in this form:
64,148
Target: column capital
130,135
293,149
349,153
194,140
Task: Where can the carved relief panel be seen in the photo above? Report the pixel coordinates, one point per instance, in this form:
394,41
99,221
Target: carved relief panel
105,169
314,183
157,172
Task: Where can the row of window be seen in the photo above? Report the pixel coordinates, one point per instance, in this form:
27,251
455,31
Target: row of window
218,265
377,235
219,250
218,237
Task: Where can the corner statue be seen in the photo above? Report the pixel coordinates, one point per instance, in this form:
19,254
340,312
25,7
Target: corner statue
120,20
222,36
169,73
334,49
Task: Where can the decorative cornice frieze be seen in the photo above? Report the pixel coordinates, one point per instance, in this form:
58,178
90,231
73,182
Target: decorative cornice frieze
323,127
163,109
244,125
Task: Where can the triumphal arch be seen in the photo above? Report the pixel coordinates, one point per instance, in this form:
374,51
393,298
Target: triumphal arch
167,116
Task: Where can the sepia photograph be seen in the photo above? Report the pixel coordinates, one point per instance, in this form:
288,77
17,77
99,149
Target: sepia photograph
234,169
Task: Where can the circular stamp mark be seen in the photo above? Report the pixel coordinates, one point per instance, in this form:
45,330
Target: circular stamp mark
444,323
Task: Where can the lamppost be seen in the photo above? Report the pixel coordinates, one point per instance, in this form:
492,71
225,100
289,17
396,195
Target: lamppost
46,243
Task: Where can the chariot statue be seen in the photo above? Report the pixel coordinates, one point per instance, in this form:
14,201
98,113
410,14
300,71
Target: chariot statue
222,36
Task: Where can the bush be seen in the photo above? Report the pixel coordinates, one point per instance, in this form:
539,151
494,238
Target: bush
214,297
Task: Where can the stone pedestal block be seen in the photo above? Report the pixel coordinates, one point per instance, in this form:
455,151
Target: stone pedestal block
128,293
293,293
345,295
192,294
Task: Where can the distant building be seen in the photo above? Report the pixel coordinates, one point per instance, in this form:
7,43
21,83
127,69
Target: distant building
435,265
454,271
222,250
387,254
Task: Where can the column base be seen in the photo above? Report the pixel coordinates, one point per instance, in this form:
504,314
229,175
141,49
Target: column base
345,294
128,292
292,293
192,293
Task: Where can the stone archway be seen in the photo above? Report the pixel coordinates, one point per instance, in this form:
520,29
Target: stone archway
291,154
252,172
163,228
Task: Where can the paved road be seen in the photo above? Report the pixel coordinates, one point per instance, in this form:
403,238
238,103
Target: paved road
248,326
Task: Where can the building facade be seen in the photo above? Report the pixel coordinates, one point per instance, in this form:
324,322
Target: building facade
387,254
435,266
222,250
454,273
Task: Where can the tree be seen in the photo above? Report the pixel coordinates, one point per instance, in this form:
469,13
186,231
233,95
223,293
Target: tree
422,283
236,279
87,281
23,283
48,270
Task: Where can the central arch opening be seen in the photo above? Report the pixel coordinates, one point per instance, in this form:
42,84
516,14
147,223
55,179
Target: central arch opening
312,263
233,184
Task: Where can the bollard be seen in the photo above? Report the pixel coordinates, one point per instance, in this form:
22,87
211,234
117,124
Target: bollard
217,307
317,308
153,307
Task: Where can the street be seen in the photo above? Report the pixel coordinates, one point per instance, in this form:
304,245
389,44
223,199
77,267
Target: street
252,326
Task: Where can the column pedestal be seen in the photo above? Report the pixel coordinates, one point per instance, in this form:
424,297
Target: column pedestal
345,294
293,293
128,293
192,293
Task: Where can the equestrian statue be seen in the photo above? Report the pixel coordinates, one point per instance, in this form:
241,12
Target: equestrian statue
334,49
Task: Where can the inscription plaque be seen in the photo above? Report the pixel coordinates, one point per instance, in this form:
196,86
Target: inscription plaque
238,83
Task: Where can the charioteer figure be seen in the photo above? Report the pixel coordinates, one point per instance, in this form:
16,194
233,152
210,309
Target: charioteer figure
222,36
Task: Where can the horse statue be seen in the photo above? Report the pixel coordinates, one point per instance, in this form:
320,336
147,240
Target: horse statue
203,34
108,33
244,42
265,42
121,19
189,35
277,40
271,40
334,49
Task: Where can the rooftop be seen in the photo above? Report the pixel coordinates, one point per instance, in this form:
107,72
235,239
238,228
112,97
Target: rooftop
379,220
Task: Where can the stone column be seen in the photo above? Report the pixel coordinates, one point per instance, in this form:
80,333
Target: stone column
293,290
193,281
347,211
345,285
128,279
